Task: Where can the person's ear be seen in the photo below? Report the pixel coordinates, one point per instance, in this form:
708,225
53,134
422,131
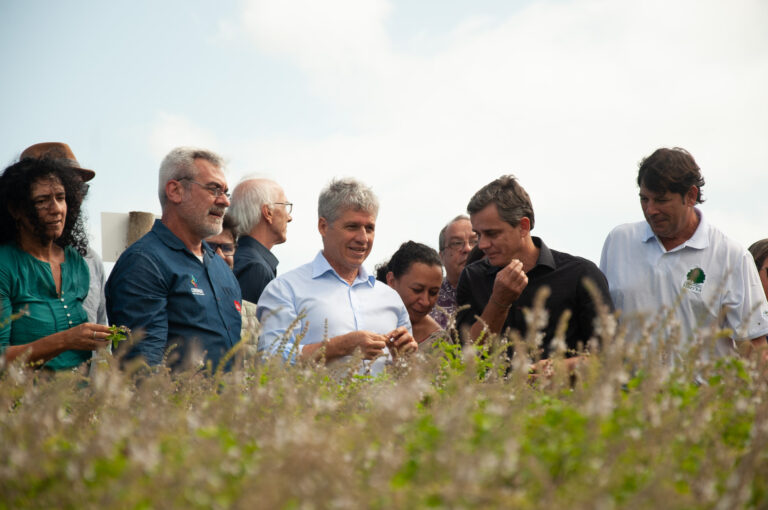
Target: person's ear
525,226
174,191
322,226
266,213
390,278
691,196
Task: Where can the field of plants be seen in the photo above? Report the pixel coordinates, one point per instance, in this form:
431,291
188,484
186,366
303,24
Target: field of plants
448,429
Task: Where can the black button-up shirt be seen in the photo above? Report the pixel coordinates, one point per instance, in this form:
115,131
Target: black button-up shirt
561,272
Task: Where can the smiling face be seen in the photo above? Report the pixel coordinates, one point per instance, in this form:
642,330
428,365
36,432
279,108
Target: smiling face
500,241
203,212
348,241
670,215
418,288
48,197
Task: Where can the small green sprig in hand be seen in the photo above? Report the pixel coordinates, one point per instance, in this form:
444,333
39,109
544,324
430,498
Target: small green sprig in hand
117,335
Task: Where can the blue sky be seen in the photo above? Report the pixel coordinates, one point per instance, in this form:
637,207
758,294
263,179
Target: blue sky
426,101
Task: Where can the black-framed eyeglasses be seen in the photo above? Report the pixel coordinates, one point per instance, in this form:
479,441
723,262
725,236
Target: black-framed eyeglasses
226,248
288,206
213,189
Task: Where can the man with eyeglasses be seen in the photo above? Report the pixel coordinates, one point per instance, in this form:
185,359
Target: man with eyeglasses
171,286
676,261
500,287
455,241
262,213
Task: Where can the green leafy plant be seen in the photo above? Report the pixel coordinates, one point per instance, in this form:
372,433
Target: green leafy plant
117,334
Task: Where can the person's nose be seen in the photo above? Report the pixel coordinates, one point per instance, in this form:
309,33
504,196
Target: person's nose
57,206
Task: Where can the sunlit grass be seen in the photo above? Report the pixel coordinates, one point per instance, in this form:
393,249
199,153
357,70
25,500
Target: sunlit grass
456,429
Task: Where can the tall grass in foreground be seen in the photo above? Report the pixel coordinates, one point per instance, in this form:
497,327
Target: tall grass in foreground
455,429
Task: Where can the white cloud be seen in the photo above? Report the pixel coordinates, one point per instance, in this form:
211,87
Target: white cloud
566,95
170,130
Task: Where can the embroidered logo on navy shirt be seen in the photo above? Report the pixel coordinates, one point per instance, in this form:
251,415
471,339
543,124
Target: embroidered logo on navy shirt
197,291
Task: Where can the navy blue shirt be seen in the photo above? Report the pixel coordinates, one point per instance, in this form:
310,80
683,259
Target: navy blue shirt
160,287
255,266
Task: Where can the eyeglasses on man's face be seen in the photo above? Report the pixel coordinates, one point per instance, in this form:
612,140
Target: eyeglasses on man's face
213,189
458,244
288,206
226,248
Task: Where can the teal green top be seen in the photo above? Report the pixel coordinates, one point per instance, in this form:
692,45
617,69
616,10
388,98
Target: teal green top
26,282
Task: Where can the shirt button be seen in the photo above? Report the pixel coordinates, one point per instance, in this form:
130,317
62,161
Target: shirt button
70,322
65,306
67,315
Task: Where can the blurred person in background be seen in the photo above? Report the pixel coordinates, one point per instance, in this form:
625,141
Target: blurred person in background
224,244
455,242
415,271
262,213
44,279
759,251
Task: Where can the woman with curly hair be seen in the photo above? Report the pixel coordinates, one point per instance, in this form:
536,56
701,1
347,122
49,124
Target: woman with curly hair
43,277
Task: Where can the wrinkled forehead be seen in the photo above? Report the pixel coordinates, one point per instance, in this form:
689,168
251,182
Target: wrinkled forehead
208,173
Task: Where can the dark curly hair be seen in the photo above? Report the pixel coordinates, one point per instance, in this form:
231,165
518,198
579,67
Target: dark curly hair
15,193
408,253
672,170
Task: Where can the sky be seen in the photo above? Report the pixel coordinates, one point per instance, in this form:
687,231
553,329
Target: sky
425,101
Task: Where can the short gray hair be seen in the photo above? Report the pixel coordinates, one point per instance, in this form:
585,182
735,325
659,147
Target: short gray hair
512,201
247,198
343,194
441,237
180,163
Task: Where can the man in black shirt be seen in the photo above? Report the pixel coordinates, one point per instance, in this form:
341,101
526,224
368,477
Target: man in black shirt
499,287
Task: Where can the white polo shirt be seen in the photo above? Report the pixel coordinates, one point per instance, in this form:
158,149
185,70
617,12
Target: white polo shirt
708,281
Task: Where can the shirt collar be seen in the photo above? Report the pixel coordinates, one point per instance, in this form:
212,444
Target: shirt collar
321,266
545,254
247,241
168,238
699,240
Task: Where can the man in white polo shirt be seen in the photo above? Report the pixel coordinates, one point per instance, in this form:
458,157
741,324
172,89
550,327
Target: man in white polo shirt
676,262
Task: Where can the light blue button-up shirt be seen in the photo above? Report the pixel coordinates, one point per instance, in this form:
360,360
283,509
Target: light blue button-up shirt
314,303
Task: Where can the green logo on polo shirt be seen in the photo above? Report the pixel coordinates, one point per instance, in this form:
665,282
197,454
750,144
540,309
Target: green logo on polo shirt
694,280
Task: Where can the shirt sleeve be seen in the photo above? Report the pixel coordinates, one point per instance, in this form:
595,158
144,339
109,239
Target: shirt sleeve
279,319
253,278
465,318
745,305
137,297
586,312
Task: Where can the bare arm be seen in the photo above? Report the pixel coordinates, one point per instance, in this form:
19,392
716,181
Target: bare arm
85,337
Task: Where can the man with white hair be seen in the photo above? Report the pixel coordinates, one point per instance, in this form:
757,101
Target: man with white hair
332,304
169,284
262,213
